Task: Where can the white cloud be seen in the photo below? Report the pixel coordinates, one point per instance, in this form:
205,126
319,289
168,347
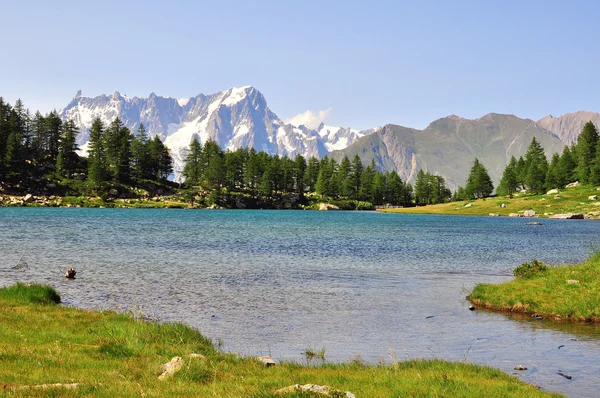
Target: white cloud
309,118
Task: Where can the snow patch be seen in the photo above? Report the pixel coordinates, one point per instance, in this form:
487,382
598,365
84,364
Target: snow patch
183,101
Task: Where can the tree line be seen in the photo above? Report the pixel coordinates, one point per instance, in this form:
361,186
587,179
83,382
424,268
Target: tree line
578,162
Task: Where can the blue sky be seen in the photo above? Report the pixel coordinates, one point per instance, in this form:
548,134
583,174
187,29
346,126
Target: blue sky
365,63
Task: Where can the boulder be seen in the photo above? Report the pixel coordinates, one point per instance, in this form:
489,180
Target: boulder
593,197
552,192
266,360
529,213
520,367
316,389
594,213
503,206
170,368
557,196
469,205
494,215
327,206
28,198
515,215
573,184
572,282
567,216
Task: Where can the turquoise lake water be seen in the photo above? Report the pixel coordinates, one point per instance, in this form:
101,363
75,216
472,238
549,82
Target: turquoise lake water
380,286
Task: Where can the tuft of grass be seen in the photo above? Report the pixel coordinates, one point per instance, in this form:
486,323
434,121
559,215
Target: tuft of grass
29,294
116,355
562,293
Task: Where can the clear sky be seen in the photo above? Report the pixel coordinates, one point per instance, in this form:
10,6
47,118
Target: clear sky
362,64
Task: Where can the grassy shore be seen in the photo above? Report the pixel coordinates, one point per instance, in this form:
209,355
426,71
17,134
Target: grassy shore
570,200
562,293
108,354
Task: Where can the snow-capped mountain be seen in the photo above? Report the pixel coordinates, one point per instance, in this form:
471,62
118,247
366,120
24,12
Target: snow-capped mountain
235,118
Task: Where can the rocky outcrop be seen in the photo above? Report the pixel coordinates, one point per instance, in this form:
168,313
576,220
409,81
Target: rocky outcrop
327,206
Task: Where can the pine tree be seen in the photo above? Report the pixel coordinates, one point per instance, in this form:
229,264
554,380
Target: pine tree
567,167
536,166
67,159
97,166
300,168
192,162
479,184
366,182
553,179
509,182
586,151
421,188
312,174
378,188
341,176
140,155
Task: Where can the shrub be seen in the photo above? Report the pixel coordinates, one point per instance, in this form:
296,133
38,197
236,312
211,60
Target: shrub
530,270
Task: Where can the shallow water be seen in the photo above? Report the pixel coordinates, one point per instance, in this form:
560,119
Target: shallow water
380,286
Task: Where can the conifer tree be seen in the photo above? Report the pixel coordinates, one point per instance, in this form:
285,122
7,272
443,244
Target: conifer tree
567,167
536,166
192,163
586,151
97,167
509,182
479,184
67,159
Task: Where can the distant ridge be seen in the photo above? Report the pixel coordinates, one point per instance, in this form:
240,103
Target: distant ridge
239,117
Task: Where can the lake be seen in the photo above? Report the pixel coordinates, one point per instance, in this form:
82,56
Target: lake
382,287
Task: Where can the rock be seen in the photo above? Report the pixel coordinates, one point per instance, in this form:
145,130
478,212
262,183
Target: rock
197,356
529,213
593,197
469,205
266,360
572,282
573,184
520,367
542,200
471,308
567,216
503,206
557,196
327,206
534,223
113,192
494,215
515,215
596,204
594,213
28,198
552,192
313,388
170,368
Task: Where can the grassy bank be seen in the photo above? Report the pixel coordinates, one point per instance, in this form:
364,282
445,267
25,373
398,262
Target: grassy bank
570,200
108,355
563,293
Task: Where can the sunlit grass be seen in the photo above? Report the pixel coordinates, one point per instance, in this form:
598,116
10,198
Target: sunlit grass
567,292
114,355
571,200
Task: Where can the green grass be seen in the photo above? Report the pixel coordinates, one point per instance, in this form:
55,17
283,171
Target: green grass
548,293
111,355
571,200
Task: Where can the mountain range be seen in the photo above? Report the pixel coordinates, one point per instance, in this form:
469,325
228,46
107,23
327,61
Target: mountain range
240,117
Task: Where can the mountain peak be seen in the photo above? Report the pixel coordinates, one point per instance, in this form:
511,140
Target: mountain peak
78,94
